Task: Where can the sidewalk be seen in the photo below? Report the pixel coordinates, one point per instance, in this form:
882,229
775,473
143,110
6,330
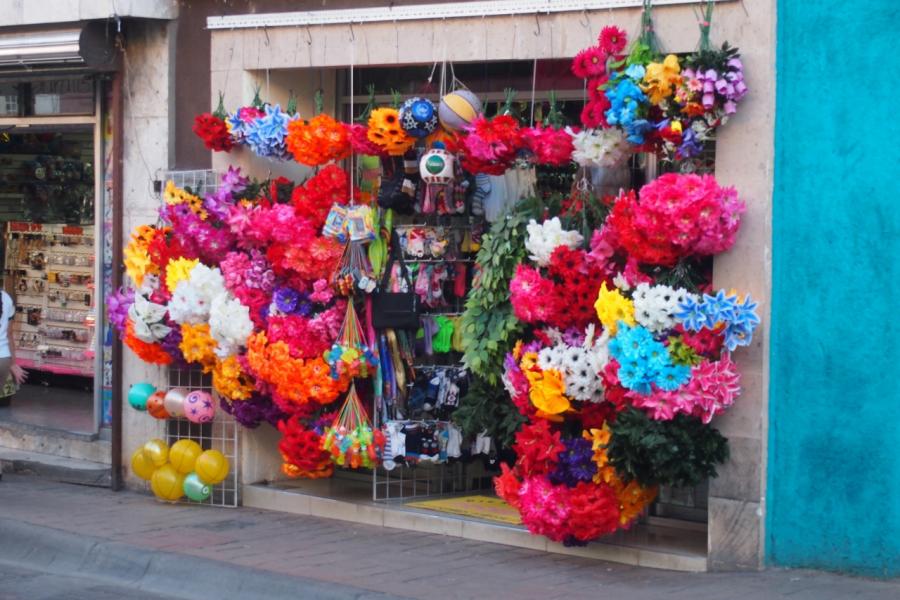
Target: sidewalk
191,551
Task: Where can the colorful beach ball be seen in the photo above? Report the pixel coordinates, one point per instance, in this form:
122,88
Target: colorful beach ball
199,407
138,395
418,117
458,109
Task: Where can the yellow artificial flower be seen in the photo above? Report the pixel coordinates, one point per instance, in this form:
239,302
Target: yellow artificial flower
529,361
633,499
612,307
662,79
197,345
517,350
179,270
547,392
230,380
599,439
173,194
137,263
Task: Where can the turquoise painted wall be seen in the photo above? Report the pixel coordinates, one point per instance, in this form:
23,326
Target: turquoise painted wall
833,498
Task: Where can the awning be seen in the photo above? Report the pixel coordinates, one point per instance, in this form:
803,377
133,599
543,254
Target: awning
91,45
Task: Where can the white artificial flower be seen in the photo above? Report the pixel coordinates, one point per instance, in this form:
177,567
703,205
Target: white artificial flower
621,282
544,238
193,297
229,324
655,305
147,318
599,147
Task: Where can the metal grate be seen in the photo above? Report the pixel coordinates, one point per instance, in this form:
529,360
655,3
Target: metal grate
200,182
221,435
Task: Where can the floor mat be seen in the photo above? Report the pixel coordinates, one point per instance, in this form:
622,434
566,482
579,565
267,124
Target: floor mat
487,508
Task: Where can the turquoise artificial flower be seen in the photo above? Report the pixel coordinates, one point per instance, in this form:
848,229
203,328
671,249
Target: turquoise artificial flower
691,314
671,377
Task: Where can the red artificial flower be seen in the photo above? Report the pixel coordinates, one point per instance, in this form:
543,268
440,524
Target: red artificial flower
507,485
594,113
590,62
596,90
594,414
537,448
213,131
314,199
593,511
612,40
706,342
302,448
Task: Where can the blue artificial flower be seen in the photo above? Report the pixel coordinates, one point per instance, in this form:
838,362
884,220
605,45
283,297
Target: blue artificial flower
635,72
637,380
655,355
266,135
629,341
636,129
671,377
719,308
691,314
738,334
690,145
744,314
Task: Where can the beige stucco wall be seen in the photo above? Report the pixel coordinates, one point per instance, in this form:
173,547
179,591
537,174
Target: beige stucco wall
147,152
275,57
43,12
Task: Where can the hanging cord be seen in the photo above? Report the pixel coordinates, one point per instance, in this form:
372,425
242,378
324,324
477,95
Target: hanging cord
647,36
352,65
533,86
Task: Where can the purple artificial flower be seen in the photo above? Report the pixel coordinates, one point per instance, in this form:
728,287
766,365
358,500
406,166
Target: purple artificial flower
286,299
575,463
573,336
251,412
117,305
172,345
690,145
233,182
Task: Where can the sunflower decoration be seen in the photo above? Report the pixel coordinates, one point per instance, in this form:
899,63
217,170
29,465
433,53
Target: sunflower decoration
174,195
385,130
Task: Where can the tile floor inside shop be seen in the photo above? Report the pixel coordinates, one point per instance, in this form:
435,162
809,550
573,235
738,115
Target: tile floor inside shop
660,535
53,407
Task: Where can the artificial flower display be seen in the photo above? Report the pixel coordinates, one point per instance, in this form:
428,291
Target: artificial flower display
599,147
267,135
619,400
212,129
548,145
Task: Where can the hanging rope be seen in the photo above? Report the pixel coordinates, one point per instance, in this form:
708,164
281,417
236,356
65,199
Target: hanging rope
352,65
533,86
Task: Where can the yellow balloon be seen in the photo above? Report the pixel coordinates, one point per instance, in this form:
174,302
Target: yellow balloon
140,466
167,483
211,467
183,454
156,451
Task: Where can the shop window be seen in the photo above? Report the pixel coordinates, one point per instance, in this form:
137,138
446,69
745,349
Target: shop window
9,99
62,97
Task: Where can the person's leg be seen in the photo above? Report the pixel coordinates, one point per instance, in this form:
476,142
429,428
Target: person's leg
5,364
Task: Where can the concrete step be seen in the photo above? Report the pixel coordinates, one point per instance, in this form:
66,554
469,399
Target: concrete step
57,468
54,442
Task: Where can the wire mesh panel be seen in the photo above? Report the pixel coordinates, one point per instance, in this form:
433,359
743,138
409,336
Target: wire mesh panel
201,182
221,434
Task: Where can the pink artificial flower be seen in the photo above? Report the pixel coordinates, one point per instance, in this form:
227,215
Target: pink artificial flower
531,295
548,145
590,62
544,507
662,405
715,386
612,40
322,292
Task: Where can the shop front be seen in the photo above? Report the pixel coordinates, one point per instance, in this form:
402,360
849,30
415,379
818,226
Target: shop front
54,169
291,308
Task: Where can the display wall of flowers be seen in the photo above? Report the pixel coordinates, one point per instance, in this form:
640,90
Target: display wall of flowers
601,351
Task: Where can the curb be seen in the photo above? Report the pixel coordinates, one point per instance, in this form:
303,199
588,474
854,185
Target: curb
169,574
64,470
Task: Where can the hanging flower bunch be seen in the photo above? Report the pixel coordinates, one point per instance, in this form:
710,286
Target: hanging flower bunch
385,131
213,130
267,135
315,197
599,147
320,140
490,145
643,370
240,121
548,145
676,216
301,449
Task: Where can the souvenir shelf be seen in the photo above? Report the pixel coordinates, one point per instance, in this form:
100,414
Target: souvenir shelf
49,271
